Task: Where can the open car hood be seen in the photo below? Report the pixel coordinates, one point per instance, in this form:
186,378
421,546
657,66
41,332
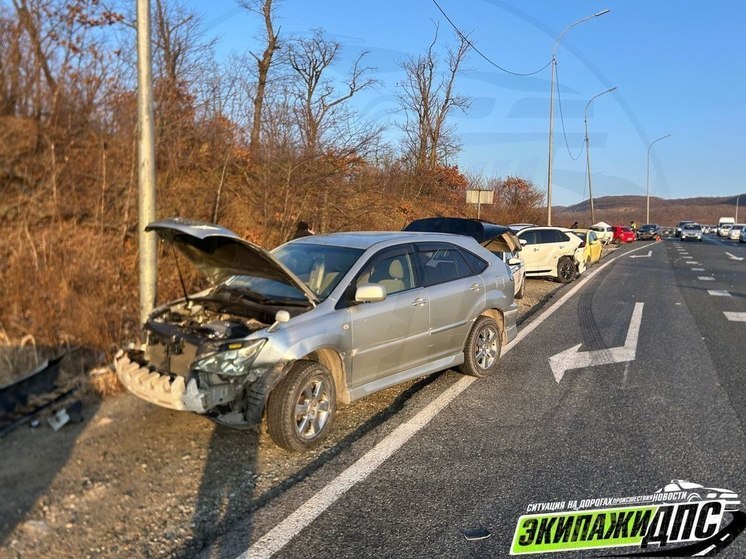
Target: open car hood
219,253
493,237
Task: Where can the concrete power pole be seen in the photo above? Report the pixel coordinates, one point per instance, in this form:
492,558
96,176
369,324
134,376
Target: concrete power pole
148,242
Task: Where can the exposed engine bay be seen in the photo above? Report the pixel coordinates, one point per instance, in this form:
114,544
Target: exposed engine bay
187,332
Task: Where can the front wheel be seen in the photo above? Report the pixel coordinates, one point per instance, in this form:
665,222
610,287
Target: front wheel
301,407
566,270
482,348
617,241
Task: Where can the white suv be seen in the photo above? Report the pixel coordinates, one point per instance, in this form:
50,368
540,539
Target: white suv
553,252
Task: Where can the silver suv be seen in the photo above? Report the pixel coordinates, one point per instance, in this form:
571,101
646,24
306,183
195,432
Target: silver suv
321,319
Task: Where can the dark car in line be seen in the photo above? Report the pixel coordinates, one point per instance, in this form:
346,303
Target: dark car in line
649,231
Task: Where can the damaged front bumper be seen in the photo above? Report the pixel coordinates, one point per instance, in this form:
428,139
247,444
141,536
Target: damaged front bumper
163,390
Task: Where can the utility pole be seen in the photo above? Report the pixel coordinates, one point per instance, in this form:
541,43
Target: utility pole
148,245
738,198
588,151
647,179
551,107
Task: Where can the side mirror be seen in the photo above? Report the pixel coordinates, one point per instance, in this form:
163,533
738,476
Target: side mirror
280,318
524,242
370,293
514,261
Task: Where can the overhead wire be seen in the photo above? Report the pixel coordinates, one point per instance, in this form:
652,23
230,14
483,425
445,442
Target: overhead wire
501,68
562,118
480,53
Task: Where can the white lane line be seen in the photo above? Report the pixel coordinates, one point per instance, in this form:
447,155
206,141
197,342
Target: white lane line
735,316
718,293
692,263
705,278
698,269
688,258
279,536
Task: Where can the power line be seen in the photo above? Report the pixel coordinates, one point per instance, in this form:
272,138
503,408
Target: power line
562,118
479,52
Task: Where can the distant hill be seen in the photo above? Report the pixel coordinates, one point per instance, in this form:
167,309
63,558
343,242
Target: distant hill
623,209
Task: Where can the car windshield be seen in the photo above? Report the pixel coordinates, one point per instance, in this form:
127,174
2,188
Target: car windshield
320,267
626,229
691,226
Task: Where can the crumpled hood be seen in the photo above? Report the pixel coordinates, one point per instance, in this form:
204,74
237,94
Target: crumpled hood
219,253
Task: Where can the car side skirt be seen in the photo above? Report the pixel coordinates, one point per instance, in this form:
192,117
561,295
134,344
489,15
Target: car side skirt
421,371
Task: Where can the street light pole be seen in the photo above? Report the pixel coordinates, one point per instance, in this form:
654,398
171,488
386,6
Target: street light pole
737,199
588,150
647,179
551,107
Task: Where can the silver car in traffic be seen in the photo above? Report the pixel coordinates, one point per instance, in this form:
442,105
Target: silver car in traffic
319,320
691,231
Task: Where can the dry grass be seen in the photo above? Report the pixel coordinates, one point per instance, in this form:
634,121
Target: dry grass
105,382
19,357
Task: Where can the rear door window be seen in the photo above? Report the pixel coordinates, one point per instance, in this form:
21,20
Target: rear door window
443,264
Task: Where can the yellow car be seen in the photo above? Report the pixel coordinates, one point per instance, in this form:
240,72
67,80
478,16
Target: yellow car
591,245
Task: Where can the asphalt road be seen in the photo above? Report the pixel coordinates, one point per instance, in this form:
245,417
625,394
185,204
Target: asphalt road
675,410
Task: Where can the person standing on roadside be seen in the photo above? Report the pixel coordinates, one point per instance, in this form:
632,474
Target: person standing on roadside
575,225
303,230
633,226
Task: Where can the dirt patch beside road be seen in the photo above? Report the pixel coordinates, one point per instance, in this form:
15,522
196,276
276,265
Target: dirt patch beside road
135,480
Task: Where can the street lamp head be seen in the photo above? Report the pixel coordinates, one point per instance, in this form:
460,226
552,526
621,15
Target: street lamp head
602,12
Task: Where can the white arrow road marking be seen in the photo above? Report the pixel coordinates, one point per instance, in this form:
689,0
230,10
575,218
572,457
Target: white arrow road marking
718,292
571,358
735,316
650,252
734,257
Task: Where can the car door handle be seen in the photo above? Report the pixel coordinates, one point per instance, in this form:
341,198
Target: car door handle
476,287
562,246
419,302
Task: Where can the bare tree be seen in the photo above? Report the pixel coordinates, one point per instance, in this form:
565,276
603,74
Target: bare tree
427,98
319,103
265,9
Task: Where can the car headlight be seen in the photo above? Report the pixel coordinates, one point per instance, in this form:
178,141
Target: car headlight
232,359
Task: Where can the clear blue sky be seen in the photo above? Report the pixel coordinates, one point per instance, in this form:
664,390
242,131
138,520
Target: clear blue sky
680,67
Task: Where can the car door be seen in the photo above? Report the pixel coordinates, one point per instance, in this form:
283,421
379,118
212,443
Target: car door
392,335
550,249
550,246
595,246
530,252
456,295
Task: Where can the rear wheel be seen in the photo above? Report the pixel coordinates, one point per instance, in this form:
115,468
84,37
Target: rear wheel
482,348
301,407
617,241
566,270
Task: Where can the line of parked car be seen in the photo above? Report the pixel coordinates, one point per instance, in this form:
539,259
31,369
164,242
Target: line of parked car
284,336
